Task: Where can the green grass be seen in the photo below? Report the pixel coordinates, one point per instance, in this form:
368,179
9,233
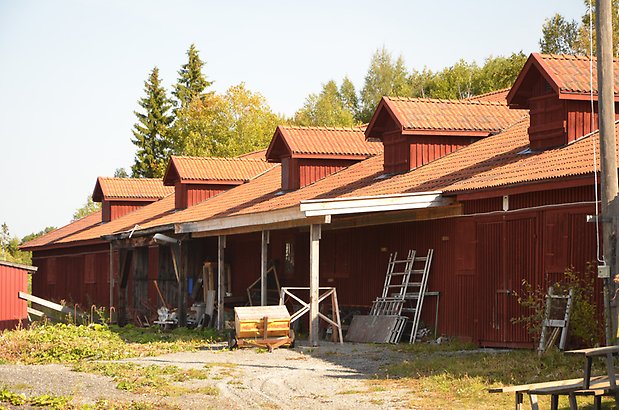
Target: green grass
68,343
46,400
153,379
450,378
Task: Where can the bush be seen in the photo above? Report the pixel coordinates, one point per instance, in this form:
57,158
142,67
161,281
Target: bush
584,329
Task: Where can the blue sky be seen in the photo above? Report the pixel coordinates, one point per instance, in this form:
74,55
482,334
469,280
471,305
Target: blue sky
71,71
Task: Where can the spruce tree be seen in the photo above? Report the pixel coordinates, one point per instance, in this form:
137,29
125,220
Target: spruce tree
191,82
151,130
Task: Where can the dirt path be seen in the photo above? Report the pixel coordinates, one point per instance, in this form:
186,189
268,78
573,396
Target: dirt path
332,375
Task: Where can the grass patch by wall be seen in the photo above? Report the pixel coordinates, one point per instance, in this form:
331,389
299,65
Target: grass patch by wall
68,343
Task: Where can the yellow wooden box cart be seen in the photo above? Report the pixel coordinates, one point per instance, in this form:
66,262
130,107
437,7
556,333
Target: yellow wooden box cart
262,326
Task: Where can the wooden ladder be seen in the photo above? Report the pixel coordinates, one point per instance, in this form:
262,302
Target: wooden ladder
553,303
418,283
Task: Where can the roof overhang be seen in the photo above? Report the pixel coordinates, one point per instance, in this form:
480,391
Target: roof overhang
374,129
381,203
27,268
310,212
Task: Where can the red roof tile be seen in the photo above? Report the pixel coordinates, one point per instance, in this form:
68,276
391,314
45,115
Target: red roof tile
213,169
300,141
85,223
425,114
571,73
140,217
129,188
495,96
260,154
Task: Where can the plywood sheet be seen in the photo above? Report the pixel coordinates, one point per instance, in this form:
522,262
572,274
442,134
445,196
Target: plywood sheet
371,329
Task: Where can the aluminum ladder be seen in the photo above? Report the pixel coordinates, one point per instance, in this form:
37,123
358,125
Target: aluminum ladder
418,284
391,302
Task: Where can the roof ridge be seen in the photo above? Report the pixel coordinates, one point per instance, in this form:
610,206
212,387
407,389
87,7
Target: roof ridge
581,57
130,179
304,127
446,100
198,158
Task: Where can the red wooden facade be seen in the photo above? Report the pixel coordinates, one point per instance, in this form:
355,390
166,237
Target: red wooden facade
115,209
13,279
187,195
297,173
404,153
77,275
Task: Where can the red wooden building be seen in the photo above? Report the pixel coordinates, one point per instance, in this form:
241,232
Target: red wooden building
499,186
13,279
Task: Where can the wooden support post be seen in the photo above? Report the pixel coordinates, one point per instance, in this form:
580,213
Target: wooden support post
314,283
608,158
125,265
111,275
182,283
264,268
220,280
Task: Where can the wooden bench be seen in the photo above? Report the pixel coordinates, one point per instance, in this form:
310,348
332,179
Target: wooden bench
599,386
544,387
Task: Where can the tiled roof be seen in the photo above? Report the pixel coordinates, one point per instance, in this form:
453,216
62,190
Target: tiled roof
213,169
259,189
85,223
129,188
260,154
452,115
495,96
571,73
140,217
327,141
499,160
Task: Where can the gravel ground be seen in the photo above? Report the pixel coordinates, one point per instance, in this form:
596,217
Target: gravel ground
332,375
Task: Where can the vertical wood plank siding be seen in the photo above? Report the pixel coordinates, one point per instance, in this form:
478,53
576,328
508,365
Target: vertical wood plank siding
12,309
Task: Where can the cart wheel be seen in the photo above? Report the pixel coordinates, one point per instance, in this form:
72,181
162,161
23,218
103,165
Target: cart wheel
292,339
232,339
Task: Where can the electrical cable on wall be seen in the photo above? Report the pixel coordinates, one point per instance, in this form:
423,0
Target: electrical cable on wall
595,174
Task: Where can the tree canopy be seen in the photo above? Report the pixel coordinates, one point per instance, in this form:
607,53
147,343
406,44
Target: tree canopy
385,76
89,207
231,124
151,131
9,245
191,81
560,36
333,107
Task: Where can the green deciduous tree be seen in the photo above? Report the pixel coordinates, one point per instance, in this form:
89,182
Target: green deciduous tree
191,81
9,247
35,235
89,207
226,125
558,35
583,43
121,173
498,73
568,37
385,77
330,108
151,131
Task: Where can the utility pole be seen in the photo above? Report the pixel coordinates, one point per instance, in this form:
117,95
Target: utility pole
608,158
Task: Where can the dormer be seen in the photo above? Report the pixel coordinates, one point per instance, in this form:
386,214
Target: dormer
308,154
556,90
196,179
415,131
119,196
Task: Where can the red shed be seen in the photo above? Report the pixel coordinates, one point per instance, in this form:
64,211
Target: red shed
13,279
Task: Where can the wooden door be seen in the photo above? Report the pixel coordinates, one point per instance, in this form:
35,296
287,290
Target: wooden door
506,254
